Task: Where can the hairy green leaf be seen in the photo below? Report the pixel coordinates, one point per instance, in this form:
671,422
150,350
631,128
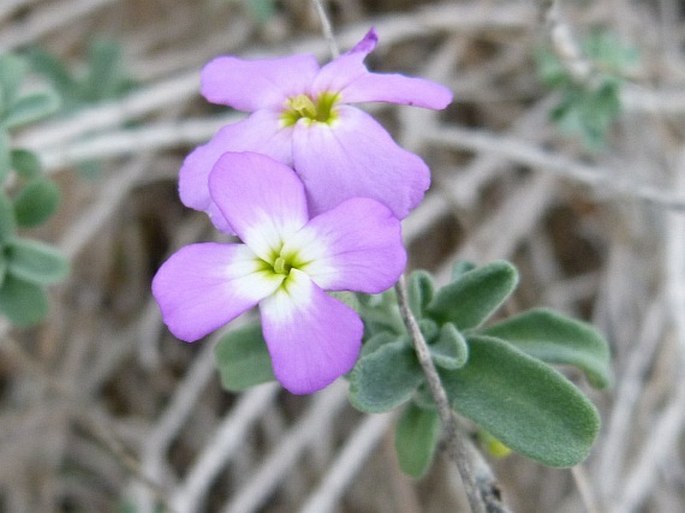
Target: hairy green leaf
475,295
11,74
32,107
378,340
385,379
5,154
26,163
3,267
450,350
8,222
416,437
36,202
420,291
243,359
35,261
523,402
23,303
554,338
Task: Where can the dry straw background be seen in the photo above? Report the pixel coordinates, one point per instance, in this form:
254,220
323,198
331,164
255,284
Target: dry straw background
102,410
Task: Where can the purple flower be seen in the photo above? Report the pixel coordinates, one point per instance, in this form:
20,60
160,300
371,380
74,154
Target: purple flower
301,116
285,264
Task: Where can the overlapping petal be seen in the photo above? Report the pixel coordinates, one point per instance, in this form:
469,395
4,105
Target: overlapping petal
312,338
261,132
396,88
355,157
204,286
356,246
262,199
250,85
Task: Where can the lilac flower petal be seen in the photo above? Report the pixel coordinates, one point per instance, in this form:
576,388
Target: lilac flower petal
261,132
367,44
356,246
250,85
312,338
204,286
337,74
356,157
396,88
262,199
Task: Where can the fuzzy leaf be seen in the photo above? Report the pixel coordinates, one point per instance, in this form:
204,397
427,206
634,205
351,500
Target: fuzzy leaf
11,74
377,340
416,437
420,291
5,154
36,262
26,163
3,268
554,338
32,107
23,303
461,267
36,202
475,295
8,222
105,70
450,350
243,359
385,379
523,402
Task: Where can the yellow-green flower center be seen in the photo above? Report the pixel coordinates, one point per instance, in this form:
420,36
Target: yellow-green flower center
313,110
281,262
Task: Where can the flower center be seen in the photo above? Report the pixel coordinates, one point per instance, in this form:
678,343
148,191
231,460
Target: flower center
303,106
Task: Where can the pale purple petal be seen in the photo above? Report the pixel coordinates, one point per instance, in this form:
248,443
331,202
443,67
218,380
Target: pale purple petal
204,286
356,246
337,74
262,199
396,88
367,44
251,85
355,157
261,132
312,338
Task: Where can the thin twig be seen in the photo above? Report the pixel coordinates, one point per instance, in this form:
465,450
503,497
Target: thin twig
327,28
480,493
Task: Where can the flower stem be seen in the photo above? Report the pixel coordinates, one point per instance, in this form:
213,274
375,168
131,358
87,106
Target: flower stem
480,486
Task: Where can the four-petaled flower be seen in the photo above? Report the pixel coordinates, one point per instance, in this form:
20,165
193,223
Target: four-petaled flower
301,116
285,263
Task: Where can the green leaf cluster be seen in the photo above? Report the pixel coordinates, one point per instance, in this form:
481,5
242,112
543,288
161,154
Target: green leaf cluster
589,109
26,265
499,375
103,77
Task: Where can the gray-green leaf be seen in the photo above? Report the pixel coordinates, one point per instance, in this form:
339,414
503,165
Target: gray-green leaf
32,107
523,402
26,163
475,295
36,202
36,262
416,437
385,379
11,74
5,154
420,291
23,303
8,222
242,358
554,338
450,350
